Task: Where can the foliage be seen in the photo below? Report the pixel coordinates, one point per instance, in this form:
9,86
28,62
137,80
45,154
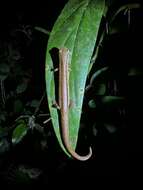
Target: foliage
17,110
98,86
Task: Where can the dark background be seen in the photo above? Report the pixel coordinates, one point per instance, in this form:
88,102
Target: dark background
115,155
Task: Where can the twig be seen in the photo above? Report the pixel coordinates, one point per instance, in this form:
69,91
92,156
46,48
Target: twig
42,30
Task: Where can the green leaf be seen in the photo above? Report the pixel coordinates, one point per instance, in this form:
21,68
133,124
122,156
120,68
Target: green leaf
19,132
112,99
135,71
34,103
92,104
100,89
21,88
123,8
76,29
113,14
97,74
110,127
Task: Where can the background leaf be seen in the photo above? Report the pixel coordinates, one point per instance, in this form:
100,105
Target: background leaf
76,29
92,104
112,99
21,88
34,103
19,132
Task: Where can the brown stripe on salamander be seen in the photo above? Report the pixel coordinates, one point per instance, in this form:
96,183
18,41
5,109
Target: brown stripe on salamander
64,104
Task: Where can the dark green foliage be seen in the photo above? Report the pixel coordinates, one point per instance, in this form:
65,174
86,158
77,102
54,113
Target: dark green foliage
19,132
111,119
